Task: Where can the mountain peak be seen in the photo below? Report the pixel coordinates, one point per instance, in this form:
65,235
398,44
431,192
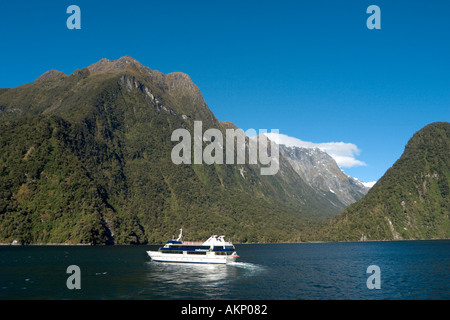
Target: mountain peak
50,75
123,63
318,169
177,82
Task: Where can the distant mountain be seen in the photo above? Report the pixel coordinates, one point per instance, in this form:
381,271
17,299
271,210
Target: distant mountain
412,199
322,173
368,185
86,158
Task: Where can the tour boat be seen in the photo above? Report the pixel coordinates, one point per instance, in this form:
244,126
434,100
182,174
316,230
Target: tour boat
214,250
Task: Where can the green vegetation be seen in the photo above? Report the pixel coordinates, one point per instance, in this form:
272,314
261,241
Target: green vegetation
85,158
411,201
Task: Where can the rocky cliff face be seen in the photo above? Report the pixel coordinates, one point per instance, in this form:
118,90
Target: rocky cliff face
321,172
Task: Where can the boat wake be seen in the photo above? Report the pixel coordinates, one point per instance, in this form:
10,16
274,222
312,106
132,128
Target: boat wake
249,268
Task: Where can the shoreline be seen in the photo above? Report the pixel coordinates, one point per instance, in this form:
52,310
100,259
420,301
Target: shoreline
252,243
46,244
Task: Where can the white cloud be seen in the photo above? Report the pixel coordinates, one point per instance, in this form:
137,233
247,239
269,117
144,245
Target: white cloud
369,184
343,153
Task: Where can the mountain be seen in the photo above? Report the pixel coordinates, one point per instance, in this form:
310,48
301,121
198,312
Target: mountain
322,173
86,158
412,199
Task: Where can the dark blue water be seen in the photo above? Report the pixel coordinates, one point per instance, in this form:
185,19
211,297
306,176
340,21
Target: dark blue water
409,270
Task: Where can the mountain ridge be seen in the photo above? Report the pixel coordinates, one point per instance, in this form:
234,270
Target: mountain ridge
106,128
85,158
321,172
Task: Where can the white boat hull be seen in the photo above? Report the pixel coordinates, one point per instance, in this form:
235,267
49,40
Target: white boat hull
209,257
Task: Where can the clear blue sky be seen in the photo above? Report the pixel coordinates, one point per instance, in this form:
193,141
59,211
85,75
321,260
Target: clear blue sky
311,69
